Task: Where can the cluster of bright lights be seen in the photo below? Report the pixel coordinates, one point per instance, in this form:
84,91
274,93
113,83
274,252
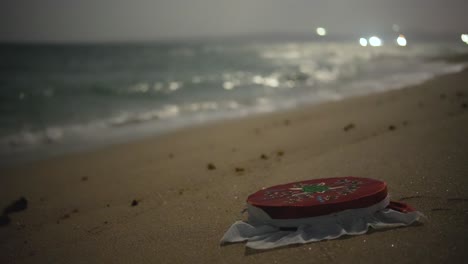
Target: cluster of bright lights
401,41
464,38
321,31
375,41
363,42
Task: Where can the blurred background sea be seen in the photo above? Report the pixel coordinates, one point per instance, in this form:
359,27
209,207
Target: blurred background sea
65,97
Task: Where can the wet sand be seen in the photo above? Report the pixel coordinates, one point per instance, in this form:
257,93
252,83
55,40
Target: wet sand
169,199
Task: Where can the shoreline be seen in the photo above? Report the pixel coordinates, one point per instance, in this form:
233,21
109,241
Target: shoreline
80,205
59,149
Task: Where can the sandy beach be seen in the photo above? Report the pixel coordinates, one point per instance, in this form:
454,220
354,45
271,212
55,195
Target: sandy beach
170,198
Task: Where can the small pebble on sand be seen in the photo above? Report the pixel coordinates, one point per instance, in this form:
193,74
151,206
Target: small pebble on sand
65,216
211,166
237,169
16,206
348,127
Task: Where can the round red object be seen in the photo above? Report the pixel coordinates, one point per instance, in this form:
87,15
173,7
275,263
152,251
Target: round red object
318,197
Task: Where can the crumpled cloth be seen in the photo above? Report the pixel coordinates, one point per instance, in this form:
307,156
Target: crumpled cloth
268,236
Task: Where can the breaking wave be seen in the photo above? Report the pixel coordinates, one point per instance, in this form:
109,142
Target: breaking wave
97,95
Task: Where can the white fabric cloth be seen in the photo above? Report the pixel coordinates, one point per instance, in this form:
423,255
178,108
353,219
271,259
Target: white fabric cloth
261,232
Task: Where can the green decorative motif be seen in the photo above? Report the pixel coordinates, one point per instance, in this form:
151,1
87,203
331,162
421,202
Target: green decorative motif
315,188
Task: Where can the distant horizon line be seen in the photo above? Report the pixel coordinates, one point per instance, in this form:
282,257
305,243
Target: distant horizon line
242,37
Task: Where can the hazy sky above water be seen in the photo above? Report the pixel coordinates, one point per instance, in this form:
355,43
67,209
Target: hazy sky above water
128,20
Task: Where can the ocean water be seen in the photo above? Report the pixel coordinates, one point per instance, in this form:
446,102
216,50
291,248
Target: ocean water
60,98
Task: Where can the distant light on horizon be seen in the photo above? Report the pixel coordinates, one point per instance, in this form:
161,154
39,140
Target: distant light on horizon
375,41
363,42
464,38
321,31
396,28
401,40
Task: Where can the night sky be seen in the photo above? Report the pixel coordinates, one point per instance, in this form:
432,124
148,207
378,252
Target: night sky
123,20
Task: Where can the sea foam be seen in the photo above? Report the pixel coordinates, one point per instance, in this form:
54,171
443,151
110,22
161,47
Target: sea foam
76,99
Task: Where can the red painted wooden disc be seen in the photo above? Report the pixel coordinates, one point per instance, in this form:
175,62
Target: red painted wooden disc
318,197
